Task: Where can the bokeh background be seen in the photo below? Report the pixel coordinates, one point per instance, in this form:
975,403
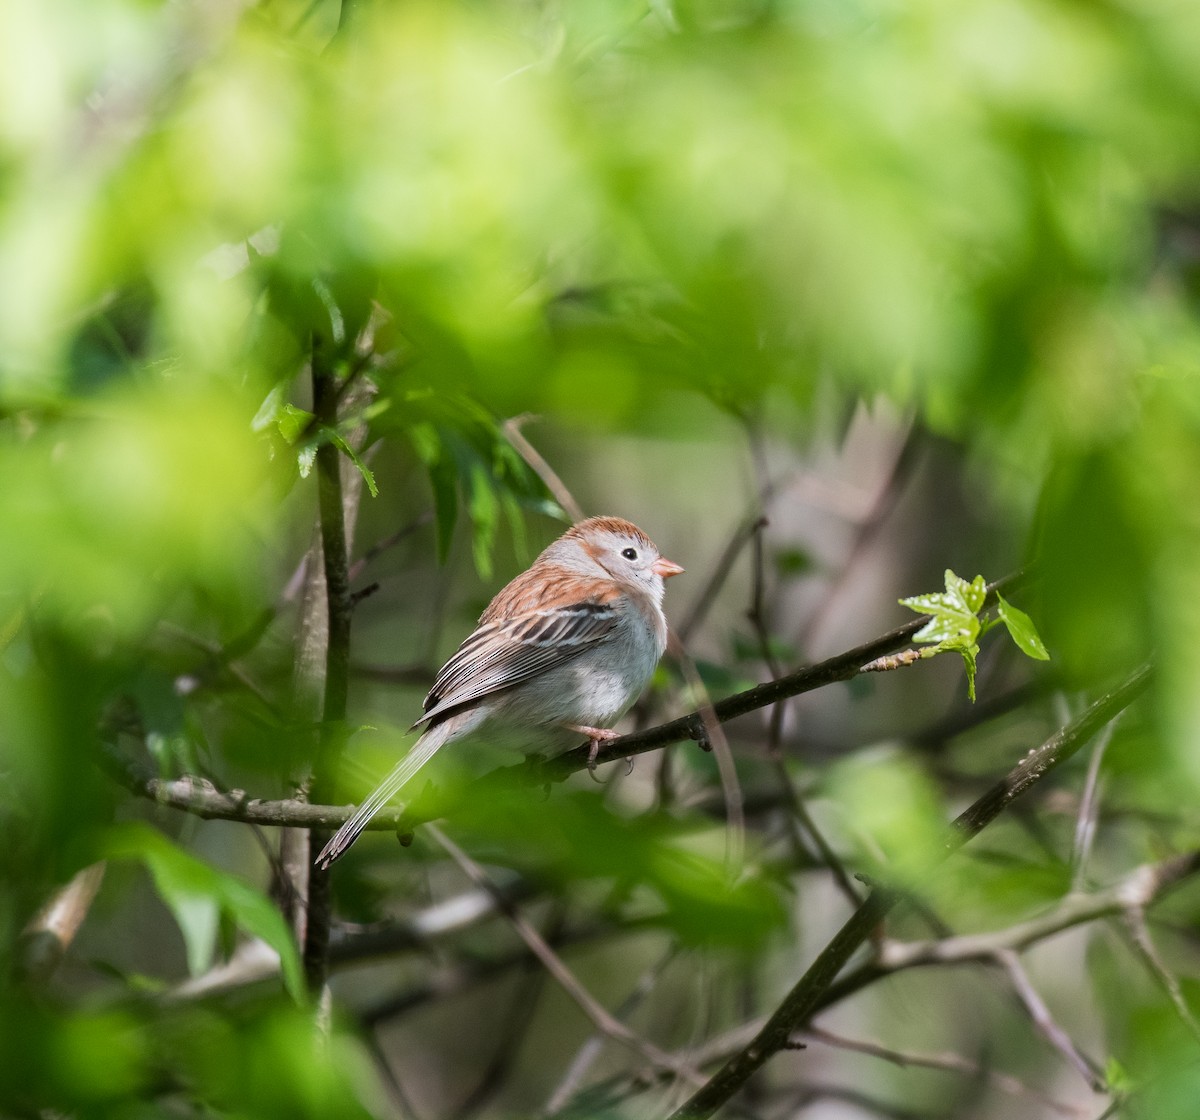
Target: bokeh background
827,297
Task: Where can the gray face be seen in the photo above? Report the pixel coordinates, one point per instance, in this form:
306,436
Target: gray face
629,560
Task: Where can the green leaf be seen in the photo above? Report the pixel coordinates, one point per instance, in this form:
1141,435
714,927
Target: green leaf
1022,630
953,612
292,422
969,656
443,479
197,893
366,472
954,622
793,562
484,509
1117,1077
268,411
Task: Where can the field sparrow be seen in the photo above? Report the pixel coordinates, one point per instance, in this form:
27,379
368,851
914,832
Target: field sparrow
569,643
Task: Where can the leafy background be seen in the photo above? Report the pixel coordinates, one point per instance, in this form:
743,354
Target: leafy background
915,281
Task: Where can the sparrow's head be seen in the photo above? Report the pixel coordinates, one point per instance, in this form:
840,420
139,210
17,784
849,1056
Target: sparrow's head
622,551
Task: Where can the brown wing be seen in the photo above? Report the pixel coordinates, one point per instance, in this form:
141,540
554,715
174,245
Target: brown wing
499,655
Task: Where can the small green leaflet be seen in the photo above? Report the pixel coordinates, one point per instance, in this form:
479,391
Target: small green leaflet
197,893
366,472
295,424
1117,1078
954,623
1021,630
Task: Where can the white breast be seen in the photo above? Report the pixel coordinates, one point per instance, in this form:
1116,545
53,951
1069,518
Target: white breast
597,687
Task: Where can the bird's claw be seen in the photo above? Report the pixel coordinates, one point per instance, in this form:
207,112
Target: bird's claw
593,750
595,736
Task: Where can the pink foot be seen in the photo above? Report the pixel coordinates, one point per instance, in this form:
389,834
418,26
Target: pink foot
596,736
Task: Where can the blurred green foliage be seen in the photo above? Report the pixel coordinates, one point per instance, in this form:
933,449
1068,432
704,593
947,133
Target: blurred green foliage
595,210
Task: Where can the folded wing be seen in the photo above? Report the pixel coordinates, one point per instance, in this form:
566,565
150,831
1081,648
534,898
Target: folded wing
502,654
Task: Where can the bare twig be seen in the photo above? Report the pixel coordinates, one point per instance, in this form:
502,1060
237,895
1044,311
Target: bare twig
1139,932
516,1027
420,675
439,983
390,541
600,1017
201,798
221,658
947,1061
1085,822
869,523
539,466
799,818
1139,888
714,738
1039,1013
395,1089
587,1054
742,535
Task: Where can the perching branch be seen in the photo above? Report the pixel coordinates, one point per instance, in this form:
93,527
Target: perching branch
197,796
807,996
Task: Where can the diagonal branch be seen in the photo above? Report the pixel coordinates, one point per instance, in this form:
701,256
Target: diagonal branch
1035,1007
806,997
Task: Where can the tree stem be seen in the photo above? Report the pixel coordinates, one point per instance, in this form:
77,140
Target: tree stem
337,660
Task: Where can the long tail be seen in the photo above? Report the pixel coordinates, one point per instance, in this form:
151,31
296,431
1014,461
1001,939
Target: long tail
423,750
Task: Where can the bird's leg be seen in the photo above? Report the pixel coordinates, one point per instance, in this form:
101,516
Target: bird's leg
595,736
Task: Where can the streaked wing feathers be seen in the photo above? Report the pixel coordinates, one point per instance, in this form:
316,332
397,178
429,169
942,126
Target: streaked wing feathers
500,655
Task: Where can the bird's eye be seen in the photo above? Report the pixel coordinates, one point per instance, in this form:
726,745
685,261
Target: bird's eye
629,553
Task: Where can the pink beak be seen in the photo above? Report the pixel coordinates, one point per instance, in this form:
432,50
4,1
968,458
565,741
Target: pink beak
665,568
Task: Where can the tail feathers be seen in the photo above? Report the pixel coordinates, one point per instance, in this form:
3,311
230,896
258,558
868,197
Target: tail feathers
423,750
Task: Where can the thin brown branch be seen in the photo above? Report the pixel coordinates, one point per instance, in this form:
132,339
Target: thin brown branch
587,1054
947,1061
421,676
601,1018
799,819
517,1023
539,466
1045,1022
806,997
221,658
49,934
449,980
1139,888
201,798
390,541
715,740
1139,933
742,535
1089,809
